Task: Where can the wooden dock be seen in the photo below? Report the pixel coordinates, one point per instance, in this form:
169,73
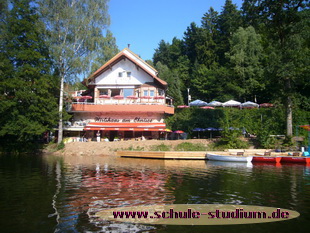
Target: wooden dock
190,155
163,154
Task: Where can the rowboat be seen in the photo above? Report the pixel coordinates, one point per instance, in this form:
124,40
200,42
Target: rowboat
229,158
292,159
266,159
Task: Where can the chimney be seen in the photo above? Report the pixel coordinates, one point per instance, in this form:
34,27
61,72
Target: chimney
128,45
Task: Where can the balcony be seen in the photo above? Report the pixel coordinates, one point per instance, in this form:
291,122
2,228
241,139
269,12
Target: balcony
124,107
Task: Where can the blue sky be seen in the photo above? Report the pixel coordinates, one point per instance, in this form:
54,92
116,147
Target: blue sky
144,23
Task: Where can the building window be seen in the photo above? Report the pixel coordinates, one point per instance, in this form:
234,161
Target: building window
152,93
120,74
145,93
104,92
161,92
128,92
115,92
128,74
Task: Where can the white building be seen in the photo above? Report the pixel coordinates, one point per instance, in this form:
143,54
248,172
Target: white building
125,100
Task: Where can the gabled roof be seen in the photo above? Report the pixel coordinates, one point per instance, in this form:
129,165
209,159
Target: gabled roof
126,53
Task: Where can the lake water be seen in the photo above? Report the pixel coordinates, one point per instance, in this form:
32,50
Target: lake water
52,194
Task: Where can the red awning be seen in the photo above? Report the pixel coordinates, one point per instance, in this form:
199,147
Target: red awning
125,126
307,127
124,129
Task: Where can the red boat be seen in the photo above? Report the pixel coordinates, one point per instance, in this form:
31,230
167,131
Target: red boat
292,159
266,159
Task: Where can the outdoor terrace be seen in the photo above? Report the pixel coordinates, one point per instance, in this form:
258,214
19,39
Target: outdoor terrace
155,107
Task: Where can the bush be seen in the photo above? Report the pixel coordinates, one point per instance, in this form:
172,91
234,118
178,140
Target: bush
231,140
235,143
161,147
138,148
187,146
61,145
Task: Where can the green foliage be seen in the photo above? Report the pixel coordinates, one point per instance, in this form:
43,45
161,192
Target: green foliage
160,147
75,35
230,136
187,146
173,80
228,22
106,49
28,105
76,40
51,147
288,143
138,148
266,141
231,140
245,56
61,145
260,54
261,122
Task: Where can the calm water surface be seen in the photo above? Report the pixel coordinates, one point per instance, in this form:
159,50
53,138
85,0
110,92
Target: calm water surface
52,194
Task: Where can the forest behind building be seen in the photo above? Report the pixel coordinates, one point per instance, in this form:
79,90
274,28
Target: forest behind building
257,53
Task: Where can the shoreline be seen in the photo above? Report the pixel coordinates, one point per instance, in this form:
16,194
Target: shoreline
110,148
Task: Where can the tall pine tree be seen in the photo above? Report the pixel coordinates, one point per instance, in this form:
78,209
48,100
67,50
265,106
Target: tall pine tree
228,22
28,107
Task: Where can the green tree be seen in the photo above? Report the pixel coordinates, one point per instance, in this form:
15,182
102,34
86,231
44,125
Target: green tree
287,47
75,34
173,80
183,68
246,56
209,21
228,22
191,36
199,46
213,84
28,107
172,55
106,49
162,53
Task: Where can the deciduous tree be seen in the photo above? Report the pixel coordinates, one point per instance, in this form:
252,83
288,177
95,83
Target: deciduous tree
75,33
245,56
288,50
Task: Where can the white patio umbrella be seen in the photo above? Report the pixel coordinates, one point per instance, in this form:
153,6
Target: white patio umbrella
231,103
215,104
249,104
198,103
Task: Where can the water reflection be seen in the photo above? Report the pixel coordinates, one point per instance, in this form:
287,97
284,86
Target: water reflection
64,194
94,187
93,184
222,164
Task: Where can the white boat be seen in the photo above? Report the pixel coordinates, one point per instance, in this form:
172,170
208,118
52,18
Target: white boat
229,158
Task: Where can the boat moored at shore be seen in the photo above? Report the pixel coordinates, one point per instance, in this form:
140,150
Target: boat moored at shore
229,158
266,159
294,159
